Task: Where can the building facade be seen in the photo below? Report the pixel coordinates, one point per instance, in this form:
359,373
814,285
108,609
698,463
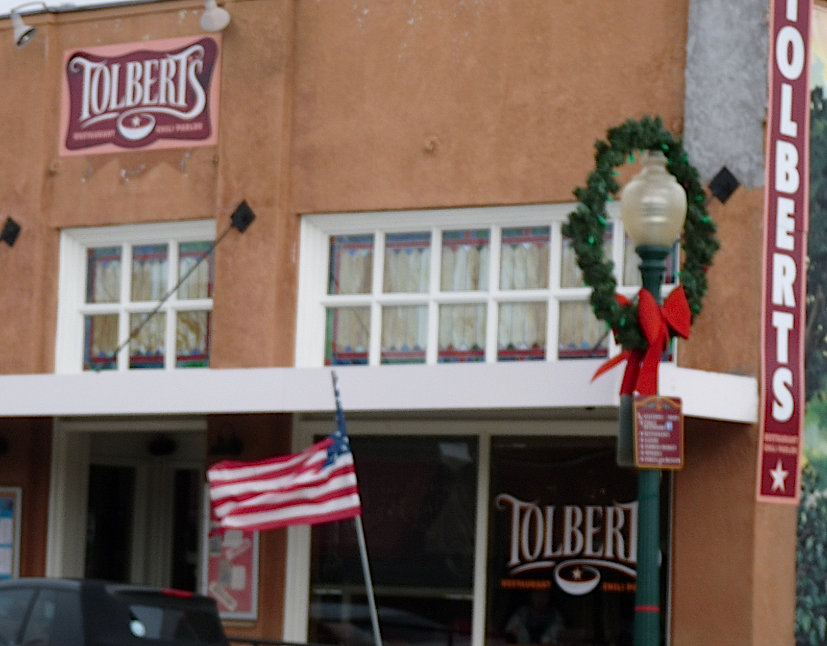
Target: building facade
409,165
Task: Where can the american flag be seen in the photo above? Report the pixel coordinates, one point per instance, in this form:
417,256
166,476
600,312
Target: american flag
315,486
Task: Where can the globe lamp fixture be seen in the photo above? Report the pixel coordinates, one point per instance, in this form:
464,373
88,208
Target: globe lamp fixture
653,204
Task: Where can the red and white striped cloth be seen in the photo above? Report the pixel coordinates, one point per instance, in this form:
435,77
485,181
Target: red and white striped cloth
315,486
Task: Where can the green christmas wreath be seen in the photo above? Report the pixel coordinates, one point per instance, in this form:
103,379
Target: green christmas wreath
587,224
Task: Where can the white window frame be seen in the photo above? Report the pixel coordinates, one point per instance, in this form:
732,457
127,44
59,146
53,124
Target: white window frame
72,306
317,229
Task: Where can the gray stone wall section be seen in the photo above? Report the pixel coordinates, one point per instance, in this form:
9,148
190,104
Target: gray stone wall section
726,88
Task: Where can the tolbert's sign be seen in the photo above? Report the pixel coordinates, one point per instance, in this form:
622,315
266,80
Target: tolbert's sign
785,253
139,96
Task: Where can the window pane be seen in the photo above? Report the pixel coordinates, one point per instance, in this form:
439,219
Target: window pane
461,333
147,349
563,549
100,341
404,334
192,340
524,258
103,275
407,263
418,508
348,336
581,334
631,265
465,259
521,334
200,281
149,272
351,264
570,274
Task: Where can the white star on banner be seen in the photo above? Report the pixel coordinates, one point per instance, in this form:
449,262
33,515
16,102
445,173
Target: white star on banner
779,477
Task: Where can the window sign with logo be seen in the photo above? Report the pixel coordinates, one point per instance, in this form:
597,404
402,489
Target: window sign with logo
563,542
9,532
140,96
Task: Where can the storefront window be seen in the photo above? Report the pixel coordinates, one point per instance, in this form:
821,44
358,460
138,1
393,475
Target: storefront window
452,286
562,543
419,514
129,276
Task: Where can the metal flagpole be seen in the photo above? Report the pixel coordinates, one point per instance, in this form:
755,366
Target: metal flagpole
374,615
360,532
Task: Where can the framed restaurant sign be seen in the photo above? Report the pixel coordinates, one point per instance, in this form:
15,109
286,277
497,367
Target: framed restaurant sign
140,96
230,569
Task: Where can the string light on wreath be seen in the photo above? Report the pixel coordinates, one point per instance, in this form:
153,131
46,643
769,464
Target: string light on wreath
586,225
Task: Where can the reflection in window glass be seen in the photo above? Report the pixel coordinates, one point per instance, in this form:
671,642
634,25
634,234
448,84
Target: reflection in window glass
192,347
146,348
100,341
149,272
348,336
562,542
407,263
581,333
521,334
103,275
524,258
465,259
351,264
461,333
420,532
404,334
570,273
199,283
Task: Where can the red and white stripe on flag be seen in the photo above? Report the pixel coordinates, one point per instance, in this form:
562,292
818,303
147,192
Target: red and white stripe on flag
315,486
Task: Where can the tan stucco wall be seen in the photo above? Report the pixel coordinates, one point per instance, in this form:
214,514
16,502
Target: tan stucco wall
378,104
443,103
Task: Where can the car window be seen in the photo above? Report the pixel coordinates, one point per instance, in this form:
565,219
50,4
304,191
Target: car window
41,620
163,622
13,606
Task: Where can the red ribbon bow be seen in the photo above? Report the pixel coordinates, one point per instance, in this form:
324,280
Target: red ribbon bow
656,322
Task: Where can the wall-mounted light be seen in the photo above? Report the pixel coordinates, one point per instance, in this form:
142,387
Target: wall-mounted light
227,443
161,445
214,18
10,232
23,33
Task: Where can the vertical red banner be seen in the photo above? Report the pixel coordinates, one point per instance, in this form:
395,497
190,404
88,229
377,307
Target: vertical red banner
786,214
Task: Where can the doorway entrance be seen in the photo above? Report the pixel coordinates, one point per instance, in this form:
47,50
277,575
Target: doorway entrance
131,504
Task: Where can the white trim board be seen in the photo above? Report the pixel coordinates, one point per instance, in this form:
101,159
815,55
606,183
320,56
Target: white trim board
563,385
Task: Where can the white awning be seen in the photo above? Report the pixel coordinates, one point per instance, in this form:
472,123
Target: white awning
484,387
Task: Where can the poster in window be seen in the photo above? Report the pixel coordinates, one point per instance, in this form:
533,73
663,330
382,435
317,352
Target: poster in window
10,532
231,570
563,542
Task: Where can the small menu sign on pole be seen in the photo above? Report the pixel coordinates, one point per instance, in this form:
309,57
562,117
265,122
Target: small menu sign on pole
658,432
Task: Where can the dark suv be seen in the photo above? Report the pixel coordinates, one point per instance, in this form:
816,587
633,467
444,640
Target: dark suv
57,612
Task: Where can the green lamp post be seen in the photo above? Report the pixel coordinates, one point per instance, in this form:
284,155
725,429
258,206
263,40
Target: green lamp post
653,209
